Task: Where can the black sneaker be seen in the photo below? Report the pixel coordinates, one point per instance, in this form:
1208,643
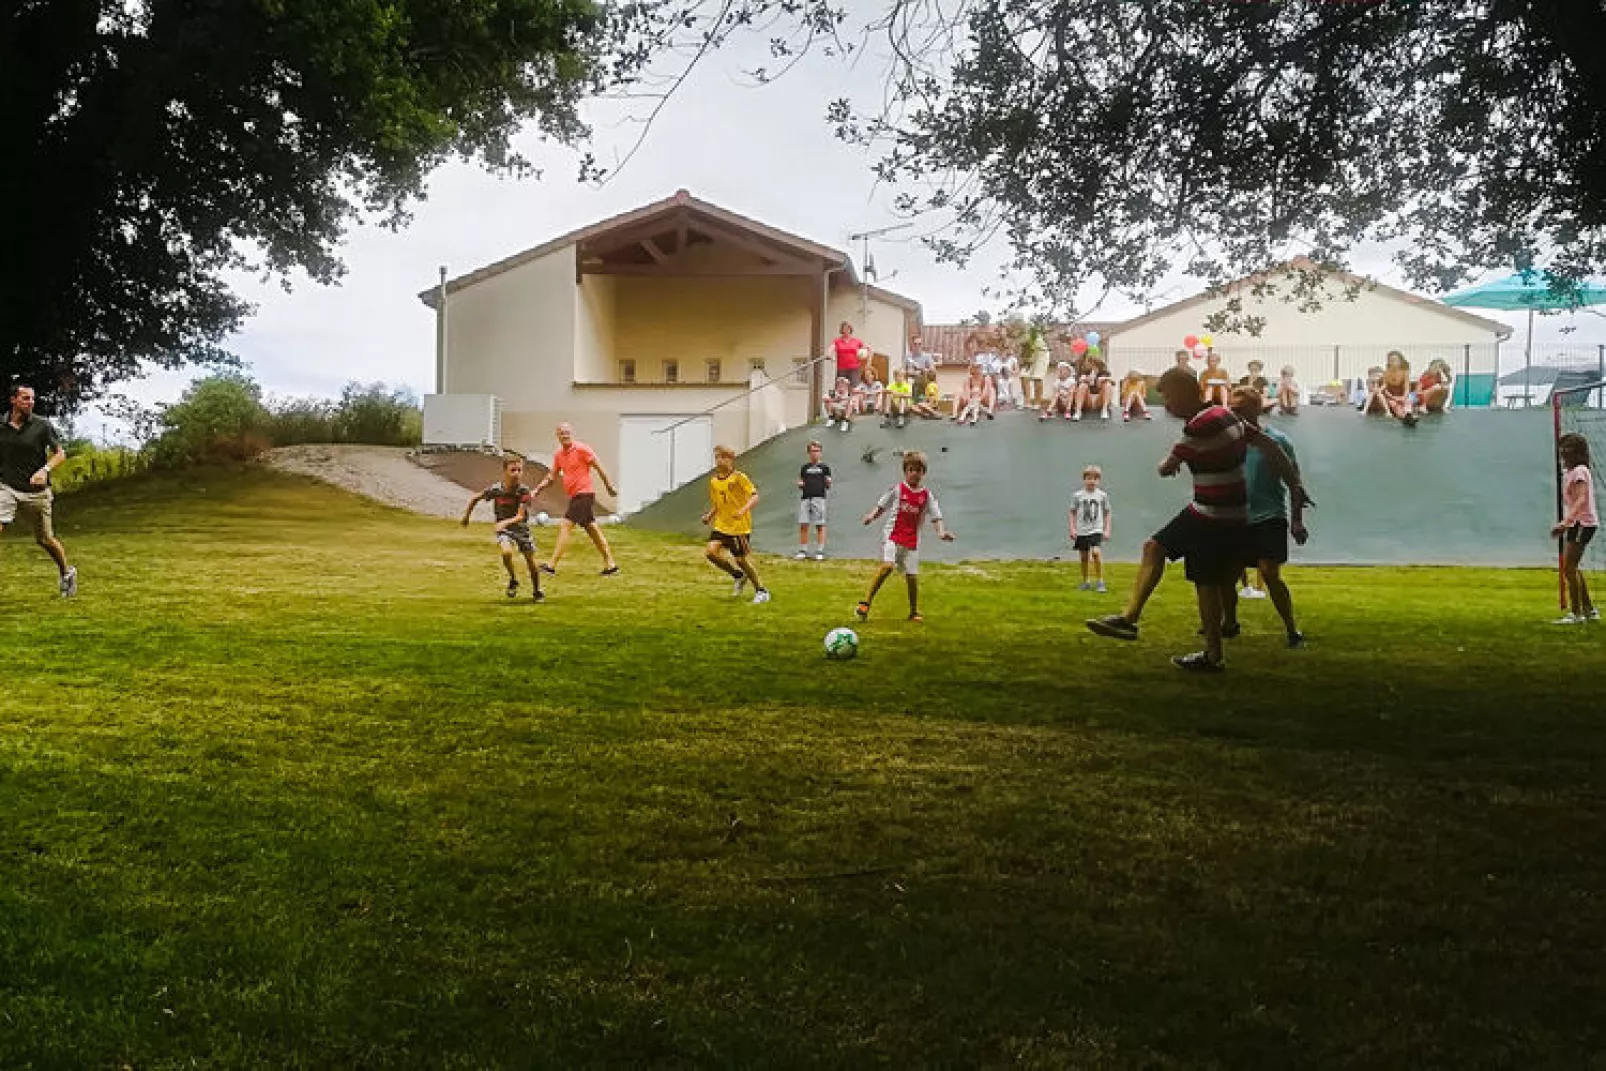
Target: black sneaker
1114,626
612,570
1296,641
539,596
512,589
548,570
1198,662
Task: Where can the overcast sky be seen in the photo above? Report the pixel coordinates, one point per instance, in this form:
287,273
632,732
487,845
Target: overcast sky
766,152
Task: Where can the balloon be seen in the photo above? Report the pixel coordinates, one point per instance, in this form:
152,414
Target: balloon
1092,351
1209,340
1093,338
1191,341
1199,349
1079,346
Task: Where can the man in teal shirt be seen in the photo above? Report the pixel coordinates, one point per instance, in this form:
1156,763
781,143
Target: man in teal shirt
1269,521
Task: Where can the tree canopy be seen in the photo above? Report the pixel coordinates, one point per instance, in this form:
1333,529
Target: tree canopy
1113,141
154,145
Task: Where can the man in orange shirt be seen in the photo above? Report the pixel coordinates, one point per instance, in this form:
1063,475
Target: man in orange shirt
573,462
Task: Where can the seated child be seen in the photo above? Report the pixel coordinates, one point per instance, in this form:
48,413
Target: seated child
1256,378
900,396
839,404
1433,388
1215,385
930,404
1134,389
1288,391
1061,394
1094,388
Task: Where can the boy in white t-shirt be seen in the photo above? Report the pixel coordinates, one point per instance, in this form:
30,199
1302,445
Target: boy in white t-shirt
1090,527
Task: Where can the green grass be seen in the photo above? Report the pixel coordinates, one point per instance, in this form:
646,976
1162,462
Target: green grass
292,784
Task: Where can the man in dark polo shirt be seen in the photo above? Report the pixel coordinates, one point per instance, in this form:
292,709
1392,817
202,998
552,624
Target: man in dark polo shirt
29,448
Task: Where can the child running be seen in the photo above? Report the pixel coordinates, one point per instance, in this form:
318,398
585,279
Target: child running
910,504
732,497
1090,527
1210,534
1577,526
814,481
510,504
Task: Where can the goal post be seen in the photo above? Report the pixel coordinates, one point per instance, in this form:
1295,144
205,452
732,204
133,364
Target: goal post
1580,410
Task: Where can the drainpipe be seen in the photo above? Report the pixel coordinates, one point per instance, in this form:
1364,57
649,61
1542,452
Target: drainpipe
440,335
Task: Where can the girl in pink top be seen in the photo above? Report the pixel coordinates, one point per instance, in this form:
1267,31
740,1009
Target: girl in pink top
1576,527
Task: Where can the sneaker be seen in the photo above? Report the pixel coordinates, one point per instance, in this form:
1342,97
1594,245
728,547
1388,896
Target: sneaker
914,615
1114,626
1148,416
1100,588
737,585
1198,662
548,570
612,570
1569,619
1296,641
801,555
1104,415
862,611
1084,586
512,589
69,583
1409,420
900,422
1593,615
819,556
1125,417
1076,416
1251,592
538,596
760,597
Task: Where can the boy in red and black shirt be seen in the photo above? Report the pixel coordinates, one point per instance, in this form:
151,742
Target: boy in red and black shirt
1210,534
510,504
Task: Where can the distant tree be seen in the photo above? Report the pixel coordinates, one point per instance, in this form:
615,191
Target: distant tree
153,146
1115,141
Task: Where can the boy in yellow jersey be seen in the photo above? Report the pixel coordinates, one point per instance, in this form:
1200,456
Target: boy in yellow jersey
732,497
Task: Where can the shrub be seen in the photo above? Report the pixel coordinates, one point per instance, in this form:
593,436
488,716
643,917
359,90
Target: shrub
219,418
379,416
87,464
302,420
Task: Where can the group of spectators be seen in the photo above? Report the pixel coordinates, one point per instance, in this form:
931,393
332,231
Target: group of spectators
999,382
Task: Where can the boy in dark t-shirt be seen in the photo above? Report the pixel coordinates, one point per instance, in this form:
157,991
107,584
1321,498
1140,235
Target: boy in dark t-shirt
510,503
814,481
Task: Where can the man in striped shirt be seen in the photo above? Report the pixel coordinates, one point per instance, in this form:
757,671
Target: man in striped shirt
1210,534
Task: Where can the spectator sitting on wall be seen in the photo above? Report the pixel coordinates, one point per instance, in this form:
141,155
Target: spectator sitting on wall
1433,388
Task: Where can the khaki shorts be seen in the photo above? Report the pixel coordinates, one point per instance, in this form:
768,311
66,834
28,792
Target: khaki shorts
35,505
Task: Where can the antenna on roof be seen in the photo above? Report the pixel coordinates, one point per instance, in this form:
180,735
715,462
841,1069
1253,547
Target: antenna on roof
869,263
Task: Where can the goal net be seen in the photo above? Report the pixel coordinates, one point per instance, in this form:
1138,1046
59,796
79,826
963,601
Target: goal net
1581,410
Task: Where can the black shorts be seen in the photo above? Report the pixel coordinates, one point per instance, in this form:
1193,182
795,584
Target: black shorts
736,544
1580,534
1212,551
582,510
1268,542
853,375
1090,542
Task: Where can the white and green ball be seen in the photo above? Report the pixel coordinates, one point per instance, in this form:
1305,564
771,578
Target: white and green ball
841,644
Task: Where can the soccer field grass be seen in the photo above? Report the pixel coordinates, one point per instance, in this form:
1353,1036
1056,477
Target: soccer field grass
293,784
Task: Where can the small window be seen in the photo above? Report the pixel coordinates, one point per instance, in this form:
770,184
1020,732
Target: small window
627,371
800,370
756,364
671,371
714,371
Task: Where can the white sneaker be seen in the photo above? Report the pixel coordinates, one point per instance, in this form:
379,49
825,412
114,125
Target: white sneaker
760,597
1569,619
1593,615
737,586
800,555
69,583
1252,593
820,556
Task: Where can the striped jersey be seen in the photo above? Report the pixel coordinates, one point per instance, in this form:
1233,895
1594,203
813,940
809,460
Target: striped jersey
1213,447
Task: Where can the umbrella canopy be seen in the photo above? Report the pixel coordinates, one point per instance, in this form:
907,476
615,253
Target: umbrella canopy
1530,291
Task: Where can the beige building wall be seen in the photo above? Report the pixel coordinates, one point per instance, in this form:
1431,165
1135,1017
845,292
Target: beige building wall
880,324
596,315
513,334
736,320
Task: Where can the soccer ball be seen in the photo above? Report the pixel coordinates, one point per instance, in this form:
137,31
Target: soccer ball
841,644
542,519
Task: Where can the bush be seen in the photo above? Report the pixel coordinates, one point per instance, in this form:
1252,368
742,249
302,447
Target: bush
302,420
87,464
378,416
219,418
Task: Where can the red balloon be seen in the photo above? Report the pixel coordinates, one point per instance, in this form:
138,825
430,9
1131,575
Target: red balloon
1079,346
1191,341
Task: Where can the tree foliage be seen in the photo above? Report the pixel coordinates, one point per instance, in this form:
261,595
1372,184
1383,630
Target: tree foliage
155,145
1113,142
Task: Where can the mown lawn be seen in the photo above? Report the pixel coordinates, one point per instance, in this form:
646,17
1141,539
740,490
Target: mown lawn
293,785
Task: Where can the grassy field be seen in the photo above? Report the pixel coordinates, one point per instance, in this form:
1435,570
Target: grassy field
292,784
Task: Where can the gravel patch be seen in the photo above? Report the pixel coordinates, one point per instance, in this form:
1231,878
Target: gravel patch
383,473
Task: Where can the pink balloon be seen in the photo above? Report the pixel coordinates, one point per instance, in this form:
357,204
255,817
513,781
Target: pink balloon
1199,350
1191,341
1079,346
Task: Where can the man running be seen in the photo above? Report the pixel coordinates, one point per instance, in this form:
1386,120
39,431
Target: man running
574,461
30,447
